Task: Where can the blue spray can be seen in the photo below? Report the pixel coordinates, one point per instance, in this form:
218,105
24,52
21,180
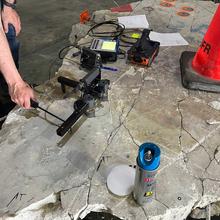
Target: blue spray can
148,162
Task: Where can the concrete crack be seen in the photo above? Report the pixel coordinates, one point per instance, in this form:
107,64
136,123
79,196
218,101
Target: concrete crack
131,136
215,153
89,190
71,216
145,213
99,163
109,141
87,200
74,187
212,159
184,129
185,158
156,199
207,167
30,199
185,154
162,203
102,160
203,188
210,162
115,130
211,179
199,144
181,122
21,195
121,119
121,122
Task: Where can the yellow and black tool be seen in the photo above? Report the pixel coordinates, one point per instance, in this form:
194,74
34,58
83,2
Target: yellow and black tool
144,50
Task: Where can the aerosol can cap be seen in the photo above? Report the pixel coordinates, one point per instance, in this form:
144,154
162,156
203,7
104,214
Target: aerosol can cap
149,156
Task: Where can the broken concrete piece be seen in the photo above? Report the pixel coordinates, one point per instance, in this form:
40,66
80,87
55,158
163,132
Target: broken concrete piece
51,199
78,32
215,105
212,122
145,104
90,208
39,210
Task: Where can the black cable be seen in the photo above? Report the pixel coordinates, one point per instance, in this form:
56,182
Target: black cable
60,57
78,46
63,49
119,29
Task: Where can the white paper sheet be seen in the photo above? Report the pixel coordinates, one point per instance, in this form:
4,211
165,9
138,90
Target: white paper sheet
168,39
136,21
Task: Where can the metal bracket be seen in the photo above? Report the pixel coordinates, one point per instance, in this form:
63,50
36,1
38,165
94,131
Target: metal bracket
92,88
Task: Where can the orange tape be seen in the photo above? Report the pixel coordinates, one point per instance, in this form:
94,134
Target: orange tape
166,4
187,8
84,16
183,14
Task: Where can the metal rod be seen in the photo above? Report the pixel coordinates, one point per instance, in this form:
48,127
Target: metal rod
51,114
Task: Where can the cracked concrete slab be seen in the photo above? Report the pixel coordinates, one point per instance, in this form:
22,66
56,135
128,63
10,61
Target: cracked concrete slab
145,104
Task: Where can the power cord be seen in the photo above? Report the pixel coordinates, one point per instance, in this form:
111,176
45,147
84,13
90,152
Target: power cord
64,49
119,29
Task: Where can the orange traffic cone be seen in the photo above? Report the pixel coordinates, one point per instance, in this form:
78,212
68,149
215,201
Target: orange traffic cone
201,70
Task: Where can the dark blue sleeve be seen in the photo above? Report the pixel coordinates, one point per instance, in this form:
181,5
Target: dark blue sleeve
1,5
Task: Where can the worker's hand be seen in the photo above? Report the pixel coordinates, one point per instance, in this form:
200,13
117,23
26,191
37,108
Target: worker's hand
21,93
10,16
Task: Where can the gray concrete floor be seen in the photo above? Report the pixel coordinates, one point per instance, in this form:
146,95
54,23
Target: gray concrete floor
145,105
45,29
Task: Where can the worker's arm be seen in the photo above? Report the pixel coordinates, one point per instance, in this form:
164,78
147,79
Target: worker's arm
11,1
10,16
19,91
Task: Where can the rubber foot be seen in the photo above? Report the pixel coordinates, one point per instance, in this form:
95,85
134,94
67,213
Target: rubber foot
191,79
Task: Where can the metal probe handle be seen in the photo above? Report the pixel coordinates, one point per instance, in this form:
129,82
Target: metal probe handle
35,104
66,126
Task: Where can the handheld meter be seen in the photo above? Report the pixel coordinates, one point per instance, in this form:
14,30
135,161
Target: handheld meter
108,49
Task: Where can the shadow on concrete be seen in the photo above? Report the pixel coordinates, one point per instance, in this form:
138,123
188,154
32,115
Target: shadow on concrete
100,216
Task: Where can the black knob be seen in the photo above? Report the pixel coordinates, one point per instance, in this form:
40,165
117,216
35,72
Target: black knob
34,104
